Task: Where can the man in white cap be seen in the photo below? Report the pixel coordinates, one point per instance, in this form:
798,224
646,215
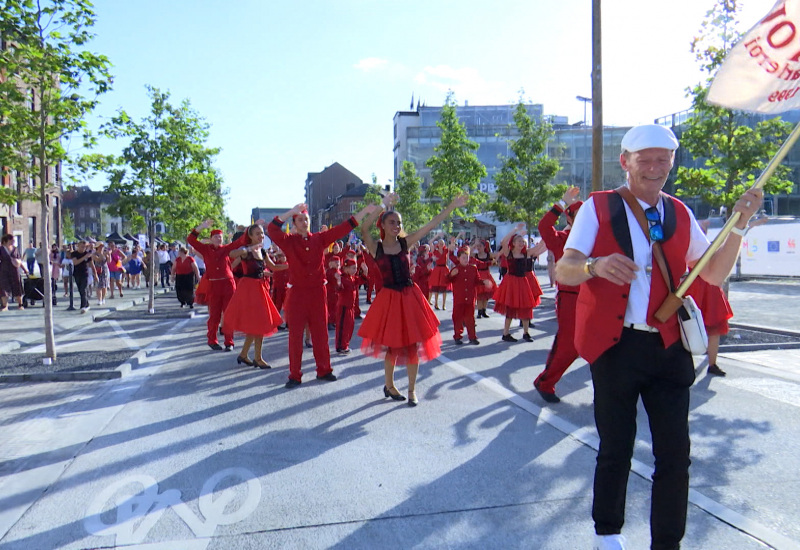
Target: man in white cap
631,353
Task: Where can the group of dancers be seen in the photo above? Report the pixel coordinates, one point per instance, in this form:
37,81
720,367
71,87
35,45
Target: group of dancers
315,282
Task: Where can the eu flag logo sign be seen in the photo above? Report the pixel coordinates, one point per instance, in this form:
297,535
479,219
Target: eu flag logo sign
773,246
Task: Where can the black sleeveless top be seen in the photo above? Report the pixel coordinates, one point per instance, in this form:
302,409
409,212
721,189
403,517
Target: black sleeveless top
519,266
395,268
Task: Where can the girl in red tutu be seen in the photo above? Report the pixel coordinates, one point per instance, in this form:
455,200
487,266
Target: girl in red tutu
400,325
422,270
519,291
716,312
251,310
438,281
484,262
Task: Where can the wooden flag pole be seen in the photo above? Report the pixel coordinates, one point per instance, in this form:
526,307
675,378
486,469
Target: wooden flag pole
675,300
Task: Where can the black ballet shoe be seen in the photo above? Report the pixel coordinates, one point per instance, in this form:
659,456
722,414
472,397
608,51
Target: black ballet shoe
261,364
412,399
243,361
396,397
508,338
308,344
527,337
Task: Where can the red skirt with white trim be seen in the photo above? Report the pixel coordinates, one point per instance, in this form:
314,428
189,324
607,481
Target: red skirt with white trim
515,298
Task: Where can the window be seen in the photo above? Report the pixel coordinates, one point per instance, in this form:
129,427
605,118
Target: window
81,212
353,207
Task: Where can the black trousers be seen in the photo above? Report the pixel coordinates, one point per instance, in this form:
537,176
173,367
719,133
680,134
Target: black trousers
639,366
82,283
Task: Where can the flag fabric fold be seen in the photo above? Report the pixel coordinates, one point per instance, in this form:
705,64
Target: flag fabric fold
761,73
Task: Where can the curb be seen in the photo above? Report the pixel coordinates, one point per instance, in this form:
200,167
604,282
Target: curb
79,320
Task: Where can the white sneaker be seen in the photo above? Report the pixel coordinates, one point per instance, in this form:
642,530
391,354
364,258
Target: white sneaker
609,542
84,309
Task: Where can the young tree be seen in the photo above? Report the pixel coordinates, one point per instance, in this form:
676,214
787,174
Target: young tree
409,190
455,169
374,195
735,153
165,172
49,82
524,188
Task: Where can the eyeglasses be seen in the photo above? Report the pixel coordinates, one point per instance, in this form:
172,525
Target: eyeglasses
656,231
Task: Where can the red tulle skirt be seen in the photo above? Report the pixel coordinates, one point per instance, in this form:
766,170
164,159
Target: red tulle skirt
712,302
403,323
438,280
202,290
485,293
251,310
516,298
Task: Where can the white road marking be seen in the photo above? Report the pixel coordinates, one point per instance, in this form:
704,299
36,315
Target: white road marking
588,436
767,387
123,335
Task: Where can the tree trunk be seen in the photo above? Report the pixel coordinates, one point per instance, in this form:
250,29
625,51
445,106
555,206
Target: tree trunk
151,291
49,336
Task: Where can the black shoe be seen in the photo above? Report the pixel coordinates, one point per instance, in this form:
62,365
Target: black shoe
330,377
509,338
716,371
331,326
549,397
220,330
412,400
474,341
527,337
282,327
261,364
243,361
396,396
292,383
228,348
308,344
485,315
459,341
369,301
191,306
215,347
343,351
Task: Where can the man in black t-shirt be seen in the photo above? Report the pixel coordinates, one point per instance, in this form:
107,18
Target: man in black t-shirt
81,262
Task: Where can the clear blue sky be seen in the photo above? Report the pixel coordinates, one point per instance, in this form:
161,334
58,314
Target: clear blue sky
291,86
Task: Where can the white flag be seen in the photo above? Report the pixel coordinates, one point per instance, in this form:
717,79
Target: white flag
761,73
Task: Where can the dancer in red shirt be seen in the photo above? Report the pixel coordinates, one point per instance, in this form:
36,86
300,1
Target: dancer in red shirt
465,280
305,304
422,270
220,279
437,281
251,310
347,291
400,325
331,294
185,272
485,292
562,353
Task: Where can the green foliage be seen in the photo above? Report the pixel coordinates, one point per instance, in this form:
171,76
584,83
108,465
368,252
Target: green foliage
455,169
68,226
735,154
54,83
524,188
166,170
374,195
409,190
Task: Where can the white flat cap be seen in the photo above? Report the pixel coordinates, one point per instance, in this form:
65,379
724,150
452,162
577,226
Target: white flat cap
649,136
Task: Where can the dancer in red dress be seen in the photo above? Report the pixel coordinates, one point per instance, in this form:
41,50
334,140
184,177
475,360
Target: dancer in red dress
716,312
563,352
220,279
519,291
346,292
400,325
251,310
185,273
305,303
485,292
422,270
438,281
280,280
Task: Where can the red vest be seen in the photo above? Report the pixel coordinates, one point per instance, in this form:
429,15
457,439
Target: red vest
600,312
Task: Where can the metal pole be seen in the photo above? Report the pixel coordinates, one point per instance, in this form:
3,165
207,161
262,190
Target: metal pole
71,306
586,154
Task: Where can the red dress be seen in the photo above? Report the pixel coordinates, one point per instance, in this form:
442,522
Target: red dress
712,302
519,291
438,280
483,265
400,318
251,310
422,273
279,280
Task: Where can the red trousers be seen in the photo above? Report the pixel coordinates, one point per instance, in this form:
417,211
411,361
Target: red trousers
464,314
345,321
563,352
306,306
219,294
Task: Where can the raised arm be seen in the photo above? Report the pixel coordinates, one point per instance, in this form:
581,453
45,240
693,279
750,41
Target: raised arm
458,202
504,248
372,217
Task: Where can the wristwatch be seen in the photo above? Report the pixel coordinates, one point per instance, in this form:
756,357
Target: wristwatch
562,204
588,267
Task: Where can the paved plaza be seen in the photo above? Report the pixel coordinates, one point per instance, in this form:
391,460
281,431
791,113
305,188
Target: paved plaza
169,445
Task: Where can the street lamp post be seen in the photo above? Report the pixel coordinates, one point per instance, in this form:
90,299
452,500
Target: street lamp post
585,148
